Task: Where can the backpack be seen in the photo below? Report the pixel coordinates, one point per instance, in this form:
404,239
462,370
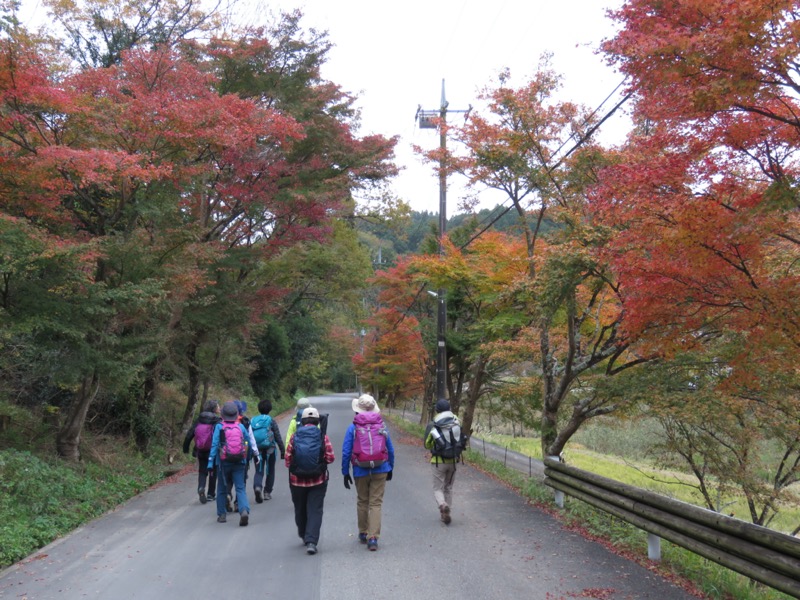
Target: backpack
448,440
262,431
203,434
369,441
232,443
308,455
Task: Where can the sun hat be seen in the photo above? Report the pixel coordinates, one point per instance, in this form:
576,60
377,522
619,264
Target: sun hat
303,403
365,403
230,412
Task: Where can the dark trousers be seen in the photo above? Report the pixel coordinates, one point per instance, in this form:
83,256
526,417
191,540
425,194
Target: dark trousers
308,502
204,473
270,473
265,480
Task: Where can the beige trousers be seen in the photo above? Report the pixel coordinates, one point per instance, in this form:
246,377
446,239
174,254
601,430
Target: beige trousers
370,490
443,476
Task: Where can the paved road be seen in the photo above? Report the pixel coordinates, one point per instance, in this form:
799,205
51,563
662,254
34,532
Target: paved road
165,544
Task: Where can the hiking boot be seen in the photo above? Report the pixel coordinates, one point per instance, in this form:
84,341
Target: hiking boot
229,503
259,496
267,496
311,548
244,518
222,519
235,506
372,544
202,495
211,497
445,512
362,537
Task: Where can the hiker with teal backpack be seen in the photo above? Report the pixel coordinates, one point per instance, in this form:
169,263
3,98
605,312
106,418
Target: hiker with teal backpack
446,441
308,454
230,448
202,432
269,443
369,448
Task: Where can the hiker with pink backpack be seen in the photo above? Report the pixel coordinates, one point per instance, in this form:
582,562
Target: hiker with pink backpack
202,432
231,448
368,448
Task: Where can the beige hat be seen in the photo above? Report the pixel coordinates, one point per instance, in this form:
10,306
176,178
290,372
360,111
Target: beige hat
365,403
310,413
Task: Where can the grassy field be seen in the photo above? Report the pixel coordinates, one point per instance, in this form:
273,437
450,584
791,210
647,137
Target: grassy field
698,574
613,454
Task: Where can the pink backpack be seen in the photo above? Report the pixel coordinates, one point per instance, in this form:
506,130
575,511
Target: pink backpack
232,443
203,434
369,443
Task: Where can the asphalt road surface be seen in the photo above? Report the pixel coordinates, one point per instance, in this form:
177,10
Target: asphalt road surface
165,544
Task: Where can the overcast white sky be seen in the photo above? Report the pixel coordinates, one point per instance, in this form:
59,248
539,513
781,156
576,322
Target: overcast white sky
394,55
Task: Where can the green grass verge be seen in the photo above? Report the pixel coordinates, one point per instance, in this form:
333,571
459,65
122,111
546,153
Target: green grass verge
680,565
42,500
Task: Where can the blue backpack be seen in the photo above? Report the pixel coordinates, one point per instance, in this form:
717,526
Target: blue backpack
308,452
262,431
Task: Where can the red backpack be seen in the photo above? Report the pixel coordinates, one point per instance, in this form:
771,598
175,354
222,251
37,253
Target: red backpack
369,443
232,442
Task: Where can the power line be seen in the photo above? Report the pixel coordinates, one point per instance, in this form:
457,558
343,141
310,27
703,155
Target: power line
577,145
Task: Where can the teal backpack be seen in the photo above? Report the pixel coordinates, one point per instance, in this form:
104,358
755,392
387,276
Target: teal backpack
262,431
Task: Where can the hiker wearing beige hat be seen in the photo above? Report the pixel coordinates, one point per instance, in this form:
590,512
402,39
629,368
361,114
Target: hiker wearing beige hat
368,447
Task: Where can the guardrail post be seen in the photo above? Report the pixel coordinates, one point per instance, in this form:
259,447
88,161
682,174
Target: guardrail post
559,499
653,547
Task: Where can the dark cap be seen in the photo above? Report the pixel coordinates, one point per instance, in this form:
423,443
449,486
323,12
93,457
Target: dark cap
230,412
442,405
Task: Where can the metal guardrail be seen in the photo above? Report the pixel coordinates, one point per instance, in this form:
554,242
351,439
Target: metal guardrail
767,556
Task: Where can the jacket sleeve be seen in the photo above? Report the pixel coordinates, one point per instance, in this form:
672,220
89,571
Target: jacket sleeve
278,439
428,436
390,448
292,428
212,456
252,441
329,455
189,437
289,450
347,449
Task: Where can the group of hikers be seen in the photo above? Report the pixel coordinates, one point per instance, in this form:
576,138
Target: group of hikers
226,440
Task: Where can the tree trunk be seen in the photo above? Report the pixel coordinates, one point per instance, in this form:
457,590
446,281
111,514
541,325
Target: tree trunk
193,393
550,399
144,411
475,389
69,436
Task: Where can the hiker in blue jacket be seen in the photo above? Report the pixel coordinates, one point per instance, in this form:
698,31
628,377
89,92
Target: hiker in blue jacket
370,473
229,469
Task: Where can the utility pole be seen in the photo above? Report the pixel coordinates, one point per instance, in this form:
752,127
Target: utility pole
427,120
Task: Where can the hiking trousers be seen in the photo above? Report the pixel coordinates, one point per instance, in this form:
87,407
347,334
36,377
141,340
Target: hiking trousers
370,490
443,476
308,503
204,473
233,474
